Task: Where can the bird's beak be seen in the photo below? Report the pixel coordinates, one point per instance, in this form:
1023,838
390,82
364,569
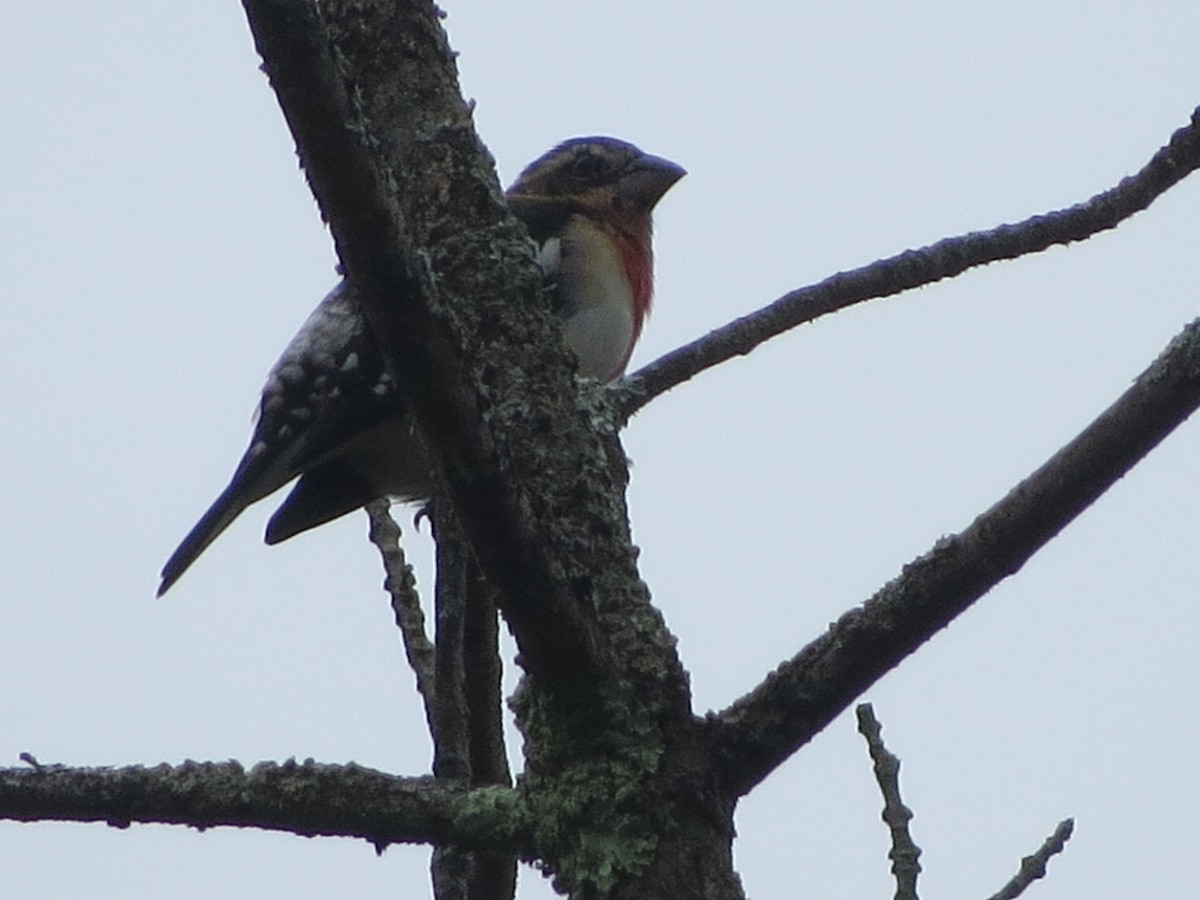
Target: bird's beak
644,184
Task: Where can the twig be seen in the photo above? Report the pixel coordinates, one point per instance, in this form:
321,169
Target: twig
904,853
1034,867
401,585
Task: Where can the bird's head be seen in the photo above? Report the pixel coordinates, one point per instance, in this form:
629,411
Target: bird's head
605,177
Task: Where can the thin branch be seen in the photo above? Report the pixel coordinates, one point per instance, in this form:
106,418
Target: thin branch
913,268
1034,867
461,659
493,875
905,854
483,683
471,744
452,752
401,586
765,727
475,875
305,799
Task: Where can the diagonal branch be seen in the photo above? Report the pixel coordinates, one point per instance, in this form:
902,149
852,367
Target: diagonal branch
448,281
913,268
329,66
765,727
1033,867
304,799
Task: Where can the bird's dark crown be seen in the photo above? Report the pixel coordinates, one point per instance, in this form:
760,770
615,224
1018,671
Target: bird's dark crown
576,165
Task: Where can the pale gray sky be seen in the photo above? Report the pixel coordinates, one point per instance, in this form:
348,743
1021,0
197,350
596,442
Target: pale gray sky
160,247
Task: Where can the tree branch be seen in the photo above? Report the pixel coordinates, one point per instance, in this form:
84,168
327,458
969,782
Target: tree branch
533,468
765,727
484,683
1034,867
905,854
493,875
305,799
447,279
452,751
914,268
474,875
406,605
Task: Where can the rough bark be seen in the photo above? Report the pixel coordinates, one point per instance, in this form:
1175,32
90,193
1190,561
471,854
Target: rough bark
536,476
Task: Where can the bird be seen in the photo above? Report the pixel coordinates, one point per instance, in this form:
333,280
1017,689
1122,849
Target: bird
331,417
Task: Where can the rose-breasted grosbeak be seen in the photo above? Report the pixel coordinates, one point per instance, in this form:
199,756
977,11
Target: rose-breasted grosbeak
330,412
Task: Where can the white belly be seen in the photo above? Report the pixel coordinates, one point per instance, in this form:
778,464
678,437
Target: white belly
597,301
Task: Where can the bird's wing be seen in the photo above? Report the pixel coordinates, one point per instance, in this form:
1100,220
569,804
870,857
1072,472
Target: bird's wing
329,386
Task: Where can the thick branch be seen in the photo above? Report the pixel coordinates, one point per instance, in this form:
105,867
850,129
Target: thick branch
305,799
796,701
447,280
913,268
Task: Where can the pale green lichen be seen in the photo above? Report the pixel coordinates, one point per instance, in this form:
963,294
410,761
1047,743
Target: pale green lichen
586,795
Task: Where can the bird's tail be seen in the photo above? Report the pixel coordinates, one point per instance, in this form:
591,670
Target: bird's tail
219,516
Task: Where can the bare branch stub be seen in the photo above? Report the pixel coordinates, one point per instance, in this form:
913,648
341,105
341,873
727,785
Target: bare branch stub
905,854
1034,867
